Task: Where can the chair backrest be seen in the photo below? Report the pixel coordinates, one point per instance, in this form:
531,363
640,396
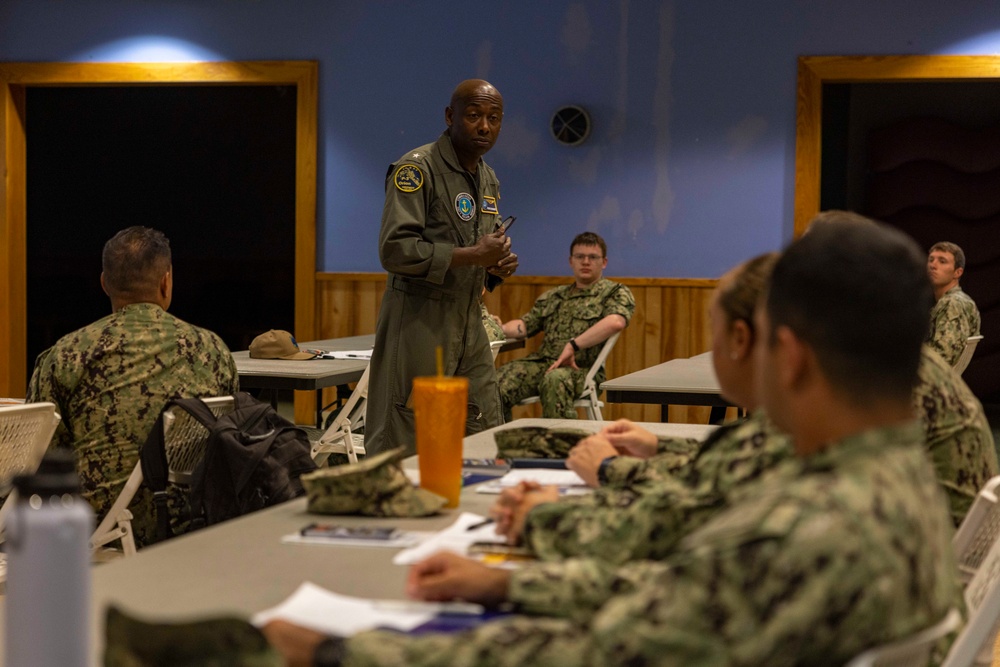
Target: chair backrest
495,346
963,359
913,651
184,438
974,645
979,530
25,433
340,437
588,382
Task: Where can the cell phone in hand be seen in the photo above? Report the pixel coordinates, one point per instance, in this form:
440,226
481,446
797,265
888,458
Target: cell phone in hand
337,532
506,224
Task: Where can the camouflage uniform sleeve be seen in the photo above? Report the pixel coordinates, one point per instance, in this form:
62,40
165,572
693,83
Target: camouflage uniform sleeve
618,525
620,302
534,320
951,326
43,387
672,454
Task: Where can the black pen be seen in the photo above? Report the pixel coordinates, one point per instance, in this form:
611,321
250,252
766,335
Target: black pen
484,522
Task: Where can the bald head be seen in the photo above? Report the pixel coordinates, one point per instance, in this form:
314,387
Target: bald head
474,118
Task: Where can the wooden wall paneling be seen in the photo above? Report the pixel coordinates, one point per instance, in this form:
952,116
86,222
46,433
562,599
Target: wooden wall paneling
671,321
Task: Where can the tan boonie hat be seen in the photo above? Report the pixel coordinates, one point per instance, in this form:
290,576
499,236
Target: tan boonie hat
277,344
376,486
537,442
212,641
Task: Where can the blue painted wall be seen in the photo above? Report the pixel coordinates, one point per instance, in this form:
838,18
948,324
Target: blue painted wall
690,166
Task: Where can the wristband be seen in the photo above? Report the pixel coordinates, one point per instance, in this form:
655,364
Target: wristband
572,341
602,471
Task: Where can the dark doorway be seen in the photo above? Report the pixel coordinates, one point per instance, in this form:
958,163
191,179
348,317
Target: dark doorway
925,157
213,167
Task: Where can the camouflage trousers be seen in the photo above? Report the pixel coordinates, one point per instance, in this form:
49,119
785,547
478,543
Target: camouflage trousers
522,378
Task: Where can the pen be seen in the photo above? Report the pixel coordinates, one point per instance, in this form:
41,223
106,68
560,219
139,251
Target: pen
484,522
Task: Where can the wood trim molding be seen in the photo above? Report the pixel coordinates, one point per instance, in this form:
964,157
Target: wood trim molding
328,276
16,77
814,71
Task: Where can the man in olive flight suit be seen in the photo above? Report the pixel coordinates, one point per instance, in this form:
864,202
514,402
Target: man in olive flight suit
440,244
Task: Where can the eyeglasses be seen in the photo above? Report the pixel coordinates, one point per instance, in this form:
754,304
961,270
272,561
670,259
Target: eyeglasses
591,258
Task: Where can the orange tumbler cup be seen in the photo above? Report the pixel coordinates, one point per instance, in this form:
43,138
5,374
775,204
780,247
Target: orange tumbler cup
440,405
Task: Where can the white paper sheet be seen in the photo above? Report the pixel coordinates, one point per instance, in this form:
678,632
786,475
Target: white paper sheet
324,611
457,537
569,482
348,354
405,539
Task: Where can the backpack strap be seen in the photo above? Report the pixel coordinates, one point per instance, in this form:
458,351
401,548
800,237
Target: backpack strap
153,459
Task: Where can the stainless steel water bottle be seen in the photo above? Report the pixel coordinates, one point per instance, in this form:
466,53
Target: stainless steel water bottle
47,607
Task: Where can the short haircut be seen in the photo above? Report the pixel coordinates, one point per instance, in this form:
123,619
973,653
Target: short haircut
589,238
837,216
134,260
859,296
740,296
956,252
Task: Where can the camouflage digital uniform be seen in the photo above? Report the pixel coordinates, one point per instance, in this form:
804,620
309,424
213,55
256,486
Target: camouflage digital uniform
822,558
432,206
954,318
111,379
494,332
959,438
644,514
562,313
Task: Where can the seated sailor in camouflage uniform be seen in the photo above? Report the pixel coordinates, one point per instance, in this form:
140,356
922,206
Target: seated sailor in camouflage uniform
111,379
844,547
643,506
954,316
576,319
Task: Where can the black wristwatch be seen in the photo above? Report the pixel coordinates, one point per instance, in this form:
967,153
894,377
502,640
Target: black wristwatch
572,341
602,471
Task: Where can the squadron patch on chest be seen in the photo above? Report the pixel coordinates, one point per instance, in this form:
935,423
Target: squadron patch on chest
489,205
408,178
465,206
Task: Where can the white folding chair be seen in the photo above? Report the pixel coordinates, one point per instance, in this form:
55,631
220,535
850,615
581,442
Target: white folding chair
184,440
495,346
913,651
589,398
963,359
340,437
979,531
25,433
974,644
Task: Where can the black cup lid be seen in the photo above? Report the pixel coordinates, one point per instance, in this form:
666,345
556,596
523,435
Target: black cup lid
56,476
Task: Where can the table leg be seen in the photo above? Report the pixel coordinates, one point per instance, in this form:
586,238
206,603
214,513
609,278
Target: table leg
717,415
665,413
319,408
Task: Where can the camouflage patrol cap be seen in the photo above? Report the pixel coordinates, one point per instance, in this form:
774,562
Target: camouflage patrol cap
376,486
537,442
278,344
215,641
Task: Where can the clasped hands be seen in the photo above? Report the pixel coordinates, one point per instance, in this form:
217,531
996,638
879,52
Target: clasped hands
497,257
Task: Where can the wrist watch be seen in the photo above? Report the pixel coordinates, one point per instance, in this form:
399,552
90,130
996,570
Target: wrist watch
602,471
572,341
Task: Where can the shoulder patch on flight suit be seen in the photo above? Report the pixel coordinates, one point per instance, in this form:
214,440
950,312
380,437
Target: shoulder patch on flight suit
408,178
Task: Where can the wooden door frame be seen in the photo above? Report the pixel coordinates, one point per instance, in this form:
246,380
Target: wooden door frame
814,71
15,78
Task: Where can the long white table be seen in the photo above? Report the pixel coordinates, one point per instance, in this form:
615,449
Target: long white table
241,566
689,381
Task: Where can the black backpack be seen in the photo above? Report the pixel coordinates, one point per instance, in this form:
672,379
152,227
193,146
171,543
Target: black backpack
253,459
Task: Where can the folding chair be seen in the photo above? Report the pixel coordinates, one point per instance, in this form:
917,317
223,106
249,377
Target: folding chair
963,359
913,651
589,398
495,346
974,644
979,531
340,437
184,440
25,433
